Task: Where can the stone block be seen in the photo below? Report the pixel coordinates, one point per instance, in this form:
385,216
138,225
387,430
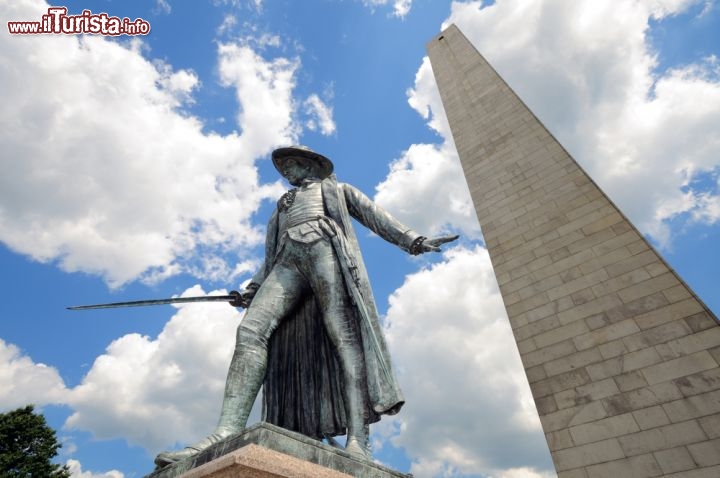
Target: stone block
701,321
576,473
515,285
624,363
597,321
546,405
561,333
606,334
662,438
525,347
651,417
657,335
550,353
711,425
602,429
612,349
706,453
573,361
663,314
637,308
715,353
536,328
637,261
586,393
648,287
656,268
679,367
589,454
677,293
571,398
561,382
605,222
564,419
253,461
675,459
710,472
548,309
559,440
535,374
577,284
623,281
693,407
700,382
265,450
617,242
702,340
583,296
630,381
641,398
594,307
613,257
642,466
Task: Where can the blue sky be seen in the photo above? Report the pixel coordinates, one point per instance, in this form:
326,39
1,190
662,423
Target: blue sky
139,168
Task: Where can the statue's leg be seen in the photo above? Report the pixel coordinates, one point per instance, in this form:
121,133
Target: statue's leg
278,294
340,322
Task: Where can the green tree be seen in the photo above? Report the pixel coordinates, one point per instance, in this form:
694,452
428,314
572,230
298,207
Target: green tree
27,444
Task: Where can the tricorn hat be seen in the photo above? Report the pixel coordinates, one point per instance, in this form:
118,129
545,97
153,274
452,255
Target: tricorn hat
322,165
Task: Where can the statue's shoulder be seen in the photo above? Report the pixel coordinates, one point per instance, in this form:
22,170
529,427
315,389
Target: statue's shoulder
331,183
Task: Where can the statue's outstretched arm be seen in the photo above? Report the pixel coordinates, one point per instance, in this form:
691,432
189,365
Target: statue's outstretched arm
386,226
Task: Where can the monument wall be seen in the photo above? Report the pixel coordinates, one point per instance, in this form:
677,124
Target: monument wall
621,356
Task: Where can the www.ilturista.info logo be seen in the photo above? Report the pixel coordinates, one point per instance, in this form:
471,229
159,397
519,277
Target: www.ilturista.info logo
57,21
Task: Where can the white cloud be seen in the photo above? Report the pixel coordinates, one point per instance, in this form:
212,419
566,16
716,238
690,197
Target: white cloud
425,187
162,6
400,7
155,391
228,24
264,91
256,4
426,190
469,408
180,84
23,381
424,98
321,115
708,210
524,473
76,472
588,71
104,173
151,392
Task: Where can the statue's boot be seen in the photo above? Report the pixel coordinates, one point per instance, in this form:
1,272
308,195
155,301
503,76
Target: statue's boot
357,444
356,412
245,377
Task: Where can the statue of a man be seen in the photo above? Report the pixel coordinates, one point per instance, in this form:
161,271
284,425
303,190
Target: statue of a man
311,333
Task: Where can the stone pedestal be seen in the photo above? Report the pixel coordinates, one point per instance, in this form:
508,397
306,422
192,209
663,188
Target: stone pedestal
265,450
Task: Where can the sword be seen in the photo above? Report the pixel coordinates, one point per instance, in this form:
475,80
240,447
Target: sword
233,296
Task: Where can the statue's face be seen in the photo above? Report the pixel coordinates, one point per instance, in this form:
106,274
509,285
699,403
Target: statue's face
295,171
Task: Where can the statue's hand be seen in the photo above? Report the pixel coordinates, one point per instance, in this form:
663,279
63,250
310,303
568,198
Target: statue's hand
244,299
431,245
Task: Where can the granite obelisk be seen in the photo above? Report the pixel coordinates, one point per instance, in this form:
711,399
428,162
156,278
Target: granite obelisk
622,357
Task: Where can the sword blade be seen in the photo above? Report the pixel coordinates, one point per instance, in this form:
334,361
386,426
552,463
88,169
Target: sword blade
142,303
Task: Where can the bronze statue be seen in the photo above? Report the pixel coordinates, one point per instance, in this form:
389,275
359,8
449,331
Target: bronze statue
311,334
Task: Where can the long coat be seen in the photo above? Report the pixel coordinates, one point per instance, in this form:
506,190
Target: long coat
302,390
